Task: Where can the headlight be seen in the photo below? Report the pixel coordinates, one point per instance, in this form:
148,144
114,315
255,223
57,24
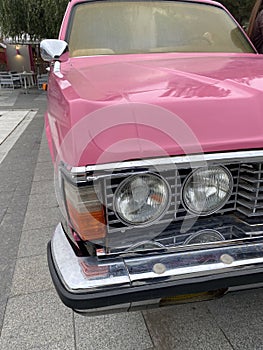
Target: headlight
204,236
207,190
141,199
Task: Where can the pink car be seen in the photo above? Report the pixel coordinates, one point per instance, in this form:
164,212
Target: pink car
155,127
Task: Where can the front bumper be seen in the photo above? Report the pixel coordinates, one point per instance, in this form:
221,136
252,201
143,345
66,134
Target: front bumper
92,286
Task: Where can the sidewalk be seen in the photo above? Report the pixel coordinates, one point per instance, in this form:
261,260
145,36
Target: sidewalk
31,314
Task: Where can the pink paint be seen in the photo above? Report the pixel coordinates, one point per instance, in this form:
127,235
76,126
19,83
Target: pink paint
119,107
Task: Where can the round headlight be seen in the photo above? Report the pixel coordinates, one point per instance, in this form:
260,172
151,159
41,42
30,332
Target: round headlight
204,236
206,190
141,199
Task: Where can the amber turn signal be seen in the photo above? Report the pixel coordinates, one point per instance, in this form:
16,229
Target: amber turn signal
89,225
86,212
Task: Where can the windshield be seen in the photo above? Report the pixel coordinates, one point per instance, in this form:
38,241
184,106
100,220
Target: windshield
126,27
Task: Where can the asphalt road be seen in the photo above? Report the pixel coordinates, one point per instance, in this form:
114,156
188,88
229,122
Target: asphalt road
31,314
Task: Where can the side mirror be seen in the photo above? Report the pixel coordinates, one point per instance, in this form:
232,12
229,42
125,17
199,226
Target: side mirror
52,49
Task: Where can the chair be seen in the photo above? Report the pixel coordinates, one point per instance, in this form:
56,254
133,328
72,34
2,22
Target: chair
9,81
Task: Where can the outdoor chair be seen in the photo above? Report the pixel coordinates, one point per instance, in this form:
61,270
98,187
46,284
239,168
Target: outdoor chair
9,81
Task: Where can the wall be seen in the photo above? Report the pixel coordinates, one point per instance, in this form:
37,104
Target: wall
18,58
3,65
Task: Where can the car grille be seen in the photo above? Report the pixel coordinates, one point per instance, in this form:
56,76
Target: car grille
176,212
250,192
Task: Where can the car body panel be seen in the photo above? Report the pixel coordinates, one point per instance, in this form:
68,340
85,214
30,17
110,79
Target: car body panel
185,88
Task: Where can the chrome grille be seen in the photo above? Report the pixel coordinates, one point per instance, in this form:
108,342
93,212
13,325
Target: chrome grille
250,194
176,211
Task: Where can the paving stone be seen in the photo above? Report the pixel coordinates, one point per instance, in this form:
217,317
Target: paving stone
7,266
18,162
34,242
44,165
6,184
39,187
44,156
16,173
44,171
110,332
2,213
2,156
18,205
44,200
31,275
188,326
12,221
64,345
5,199
44,146
8,98
9,121
23,189
39,218
10,232
240,316
44,149
2,311
36,320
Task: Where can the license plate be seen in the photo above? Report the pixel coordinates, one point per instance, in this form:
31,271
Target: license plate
191,298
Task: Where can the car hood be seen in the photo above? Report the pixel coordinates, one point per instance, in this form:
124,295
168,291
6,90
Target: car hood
126,107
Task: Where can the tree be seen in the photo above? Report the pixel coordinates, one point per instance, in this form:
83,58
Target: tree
240,9
41,18
12,16
37,18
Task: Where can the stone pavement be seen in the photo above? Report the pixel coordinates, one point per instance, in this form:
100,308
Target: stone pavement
31,314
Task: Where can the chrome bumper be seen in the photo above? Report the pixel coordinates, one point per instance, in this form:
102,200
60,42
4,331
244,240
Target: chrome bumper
87,284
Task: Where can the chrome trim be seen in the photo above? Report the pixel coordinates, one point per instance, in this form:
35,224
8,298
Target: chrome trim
136,247
119,273
133,306
195,264
56,69
250,194
68,266
236,157
104,310
245,287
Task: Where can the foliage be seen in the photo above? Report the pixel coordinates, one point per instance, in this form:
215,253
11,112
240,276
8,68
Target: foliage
37,18
41,18
240,9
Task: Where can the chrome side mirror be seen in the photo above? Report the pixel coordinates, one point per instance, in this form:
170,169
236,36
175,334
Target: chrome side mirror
52,49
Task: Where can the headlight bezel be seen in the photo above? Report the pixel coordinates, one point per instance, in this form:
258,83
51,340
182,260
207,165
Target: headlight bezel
155,218
222,203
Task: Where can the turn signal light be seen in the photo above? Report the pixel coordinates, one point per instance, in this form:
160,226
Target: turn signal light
86,212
